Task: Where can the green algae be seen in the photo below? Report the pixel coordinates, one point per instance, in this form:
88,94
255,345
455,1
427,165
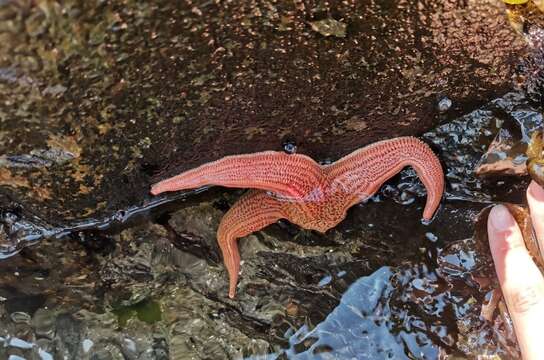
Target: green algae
148,311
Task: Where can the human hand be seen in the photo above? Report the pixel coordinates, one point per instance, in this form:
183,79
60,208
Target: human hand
521,281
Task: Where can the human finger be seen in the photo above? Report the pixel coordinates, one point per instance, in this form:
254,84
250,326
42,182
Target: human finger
521,282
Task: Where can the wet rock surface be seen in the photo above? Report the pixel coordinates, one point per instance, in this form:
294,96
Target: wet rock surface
480,148
379,285
102,98
157,291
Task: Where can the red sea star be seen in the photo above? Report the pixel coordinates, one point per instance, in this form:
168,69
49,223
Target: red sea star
296,188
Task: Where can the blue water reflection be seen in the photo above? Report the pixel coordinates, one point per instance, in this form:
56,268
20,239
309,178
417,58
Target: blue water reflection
363,325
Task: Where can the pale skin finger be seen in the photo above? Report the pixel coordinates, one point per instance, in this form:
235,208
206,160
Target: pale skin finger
521,282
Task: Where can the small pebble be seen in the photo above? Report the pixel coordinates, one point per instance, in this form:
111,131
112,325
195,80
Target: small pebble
444,104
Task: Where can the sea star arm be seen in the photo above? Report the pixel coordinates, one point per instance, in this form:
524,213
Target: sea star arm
251,213
291,176
364,171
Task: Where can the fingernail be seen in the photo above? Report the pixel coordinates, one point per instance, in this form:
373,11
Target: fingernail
500,218
536,191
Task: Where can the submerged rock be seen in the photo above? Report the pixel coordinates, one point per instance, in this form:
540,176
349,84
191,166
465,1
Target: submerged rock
127,301
374,326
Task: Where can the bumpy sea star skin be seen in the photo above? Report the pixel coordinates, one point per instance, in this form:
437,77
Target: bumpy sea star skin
289,175
296,188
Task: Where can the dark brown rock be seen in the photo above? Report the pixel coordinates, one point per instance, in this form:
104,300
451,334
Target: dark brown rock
101,99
